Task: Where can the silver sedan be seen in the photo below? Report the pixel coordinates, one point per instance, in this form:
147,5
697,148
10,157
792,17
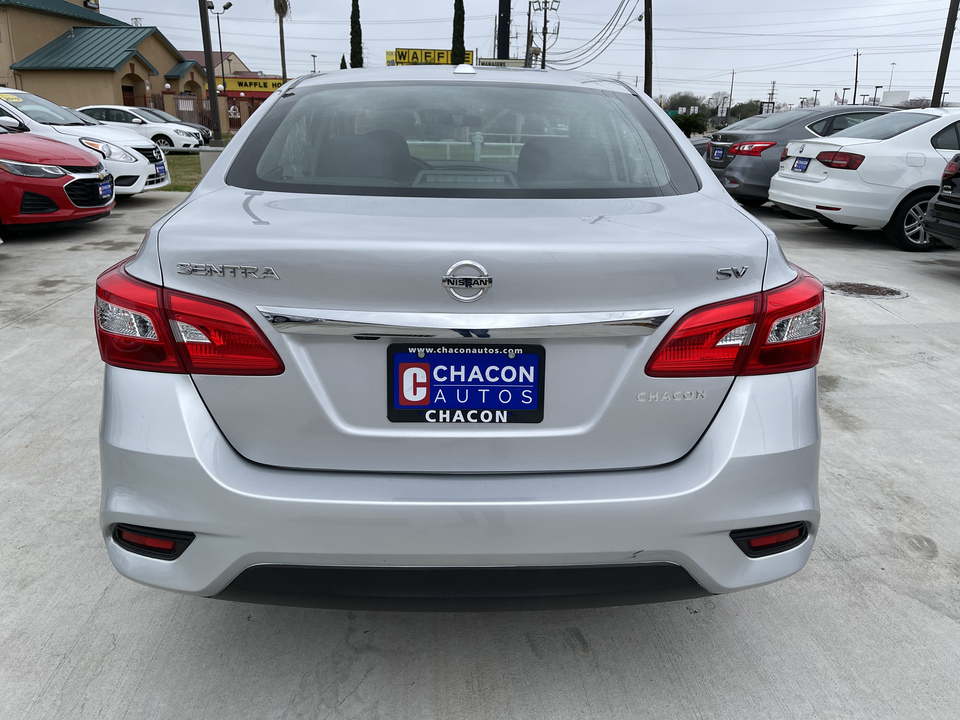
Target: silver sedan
459,338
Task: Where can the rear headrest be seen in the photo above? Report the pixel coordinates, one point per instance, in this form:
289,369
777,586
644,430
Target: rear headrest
562,159
381,154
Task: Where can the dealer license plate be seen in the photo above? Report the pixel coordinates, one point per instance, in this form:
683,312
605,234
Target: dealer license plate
800,164
106,189
161,168
482,384
718,153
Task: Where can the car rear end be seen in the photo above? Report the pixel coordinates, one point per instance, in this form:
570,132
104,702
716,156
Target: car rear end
497,371
822,179
942,219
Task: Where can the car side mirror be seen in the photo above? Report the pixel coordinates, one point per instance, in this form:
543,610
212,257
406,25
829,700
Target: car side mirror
11,123
139,121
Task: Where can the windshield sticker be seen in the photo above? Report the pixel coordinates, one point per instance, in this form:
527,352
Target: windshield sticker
10,98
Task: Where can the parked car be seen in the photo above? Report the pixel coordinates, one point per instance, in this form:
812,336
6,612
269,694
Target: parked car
205,133
745,158
136,164
373,362
880,174
45,181
942,219
169,136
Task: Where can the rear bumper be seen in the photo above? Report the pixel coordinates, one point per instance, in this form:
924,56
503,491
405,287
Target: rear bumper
166,465
746,176
858,203
462,589
945,230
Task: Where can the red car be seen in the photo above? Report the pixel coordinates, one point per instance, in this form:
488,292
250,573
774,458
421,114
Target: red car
47,181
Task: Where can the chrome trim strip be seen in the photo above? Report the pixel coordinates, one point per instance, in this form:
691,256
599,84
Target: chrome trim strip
460,325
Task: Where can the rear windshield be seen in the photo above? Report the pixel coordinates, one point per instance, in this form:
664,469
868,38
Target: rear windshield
779,120
462,140
885,126
745,123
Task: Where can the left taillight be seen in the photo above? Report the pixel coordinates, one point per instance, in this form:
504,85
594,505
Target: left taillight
776,331
840,160
145,327
750,148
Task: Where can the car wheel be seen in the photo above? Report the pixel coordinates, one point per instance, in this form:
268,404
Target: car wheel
163,141
906,226
751,202
834,225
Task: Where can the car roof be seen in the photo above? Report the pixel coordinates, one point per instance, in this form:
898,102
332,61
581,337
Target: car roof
446,73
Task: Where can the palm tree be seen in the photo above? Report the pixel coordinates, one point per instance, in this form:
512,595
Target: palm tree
282,9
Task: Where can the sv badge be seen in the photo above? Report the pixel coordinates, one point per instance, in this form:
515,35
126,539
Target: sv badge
732,272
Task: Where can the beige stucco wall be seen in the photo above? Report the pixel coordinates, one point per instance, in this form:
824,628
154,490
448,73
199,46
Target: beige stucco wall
23,32
6,49
74,88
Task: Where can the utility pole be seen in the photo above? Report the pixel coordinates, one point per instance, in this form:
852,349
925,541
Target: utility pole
937,100
528,58
503,30
890,84
815,93
211,76
730,96
648,47
543,50
773,88
856,77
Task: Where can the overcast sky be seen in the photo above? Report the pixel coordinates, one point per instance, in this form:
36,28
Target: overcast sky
696,43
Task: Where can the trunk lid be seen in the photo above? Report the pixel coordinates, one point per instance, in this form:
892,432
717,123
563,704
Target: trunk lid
801,163
351,276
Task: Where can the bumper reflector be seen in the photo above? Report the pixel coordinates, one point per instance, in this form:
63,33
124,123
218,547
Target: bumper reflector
162,544
762,541
827,207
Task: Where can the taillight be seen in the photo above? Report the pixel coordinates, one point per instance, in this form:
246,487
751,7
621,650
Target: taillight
145,327
750,148
709,146
776,331
950,170
783,154
840,160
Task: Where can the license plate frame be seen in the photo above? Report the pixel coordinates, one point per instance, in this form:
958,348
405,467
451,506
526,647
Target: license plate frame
464,402
161,168
717,155
105,189
800,164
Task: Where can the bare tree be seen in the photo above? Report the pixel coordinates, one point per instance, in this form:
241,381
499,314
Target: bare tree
282,9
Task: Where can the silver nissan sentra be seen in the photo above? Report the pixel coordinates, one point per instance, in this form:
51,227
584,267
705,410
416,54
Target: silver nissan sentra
459,338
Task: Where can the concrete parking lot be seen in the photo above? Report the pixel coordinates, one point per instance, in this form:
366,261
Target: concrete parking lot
870,629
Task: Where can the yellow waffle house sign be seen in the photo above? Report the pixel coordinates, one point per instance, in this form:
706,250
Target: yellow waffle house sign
416,56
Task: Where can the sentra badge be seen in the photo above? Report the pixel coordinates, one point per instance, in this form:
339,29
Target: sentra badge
235,271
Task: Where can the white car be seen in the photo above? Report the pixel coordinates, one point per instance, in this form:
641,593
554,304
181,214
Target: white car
166,135
135,163
879,174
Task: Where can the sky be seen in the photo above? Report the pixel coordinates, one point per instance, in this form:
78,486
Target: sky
696,43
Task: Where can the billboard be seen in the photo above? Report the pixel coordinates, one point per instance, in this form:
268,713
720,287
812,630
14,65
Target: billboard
419,56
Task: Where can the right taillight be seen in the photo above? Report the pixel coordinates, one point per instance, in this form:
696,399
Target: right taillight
840,160
780,330
950,170
145,327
